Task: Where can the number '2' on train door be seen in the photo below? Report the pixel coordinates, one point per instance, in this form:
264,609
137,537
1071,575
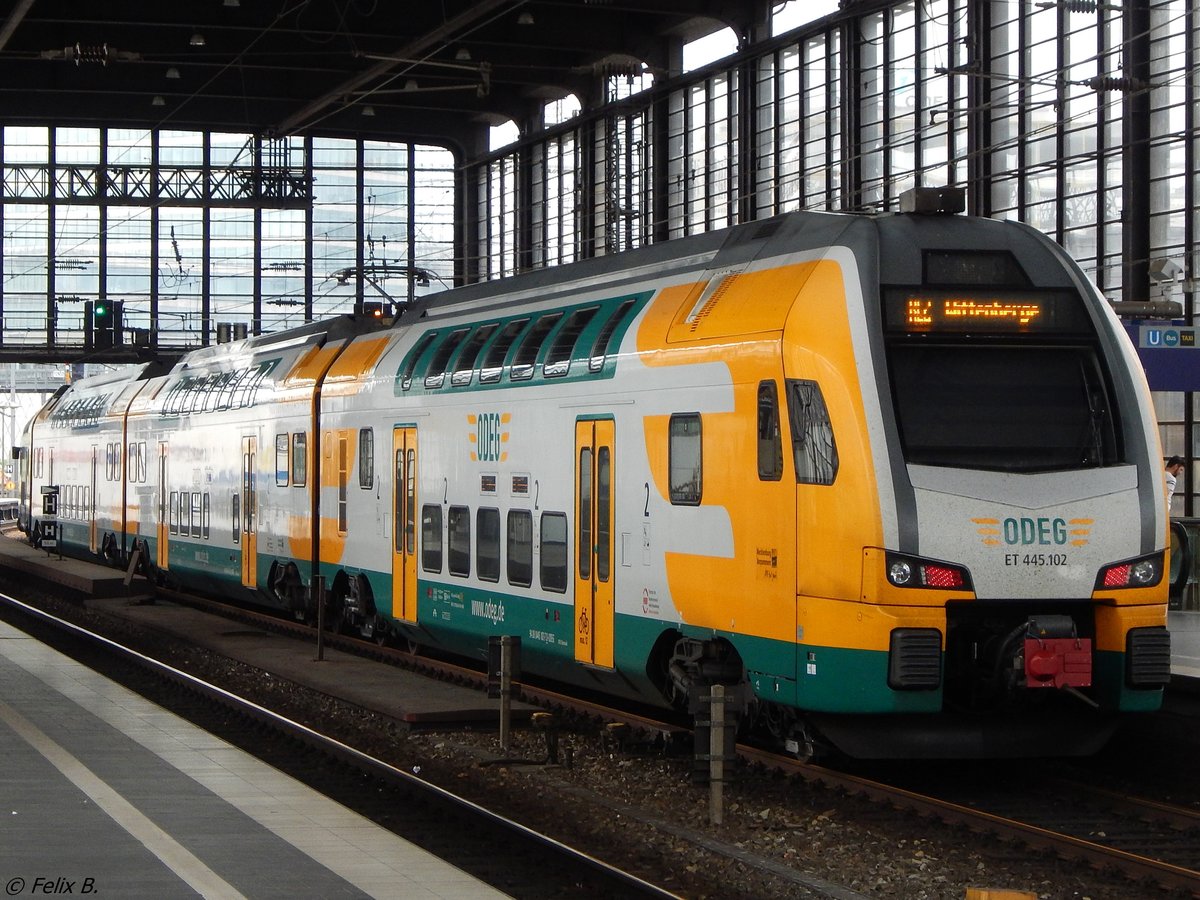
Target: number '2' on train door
594,466
404,525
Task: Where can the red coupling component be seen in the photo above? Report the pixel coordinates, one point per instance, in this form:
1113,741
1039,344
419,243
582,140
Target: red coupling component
1058,662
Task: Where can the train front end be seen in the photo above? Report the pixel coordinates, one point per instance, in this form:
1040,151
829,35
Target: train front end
1019,585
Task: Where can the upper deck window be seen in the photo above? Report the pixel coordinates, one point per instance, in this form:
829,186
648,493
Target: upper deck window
493,360
558,359
527,353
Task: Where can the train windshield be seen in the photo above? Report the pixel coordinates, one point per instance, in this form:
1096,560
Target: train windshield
1016,407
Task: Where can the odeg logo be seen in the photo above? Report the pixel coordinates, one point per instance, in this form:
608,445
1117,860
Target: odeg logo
489,436
1026,532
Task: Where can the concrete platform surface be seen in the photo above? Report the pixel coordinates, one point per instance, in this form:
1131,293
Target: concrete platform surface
105,794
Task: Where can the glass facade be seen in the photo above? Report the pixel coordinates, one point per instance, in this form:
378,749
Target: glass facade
1080,122
191,231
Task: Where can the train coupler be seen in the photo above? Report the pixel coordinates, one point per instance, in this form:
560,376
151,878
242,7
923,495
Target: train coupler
1054,655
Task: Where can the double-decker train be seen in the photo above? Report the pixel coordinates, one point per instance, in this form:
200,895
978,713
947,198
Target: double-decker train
893,478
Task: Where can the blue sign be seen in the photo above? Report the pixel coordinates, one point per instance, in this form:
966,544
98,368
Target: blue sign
1162,350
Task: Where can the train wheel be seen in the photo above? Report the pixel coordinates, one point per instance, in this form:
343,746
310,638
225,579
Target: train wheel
801,744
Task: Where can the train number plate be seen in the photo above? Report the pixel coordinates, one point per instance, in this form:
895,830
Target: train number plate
1035,559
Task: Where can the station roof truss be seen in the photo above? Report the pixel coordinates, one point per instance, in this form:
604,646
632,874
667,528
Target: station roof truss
423,72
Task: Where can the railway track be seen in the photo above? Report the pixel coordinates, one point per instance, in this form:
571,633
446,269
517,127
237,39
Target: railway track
504,853
1146,841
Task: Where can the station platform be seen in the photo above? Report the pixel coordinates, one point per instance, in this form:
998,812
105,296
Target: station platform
107,794
86,578
407,697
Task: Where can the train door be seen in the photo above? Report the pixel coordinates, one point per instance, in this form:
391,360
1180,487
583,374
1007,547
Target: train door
162,554
594,455
249,511
404,524
90,501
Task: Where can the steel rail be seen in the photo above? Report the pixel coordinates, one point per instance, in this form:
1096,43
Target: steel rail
1067,846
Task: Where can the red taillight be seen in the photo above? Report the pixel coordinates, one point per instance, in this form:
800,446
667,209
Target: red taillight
942,577
1117,576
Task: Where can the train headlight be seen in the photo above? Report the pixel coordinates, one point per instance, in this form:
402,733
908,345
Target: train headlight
900,573
914,572
1145,571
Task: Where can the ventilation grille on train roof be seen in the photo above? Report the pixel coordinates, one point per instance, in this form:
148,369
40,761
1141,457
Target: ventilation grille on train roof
709,298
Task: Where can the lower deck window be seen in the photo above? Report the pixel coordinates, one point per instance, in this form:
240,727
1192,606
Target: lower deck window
487,550
520,547
431,537
554,552
458,540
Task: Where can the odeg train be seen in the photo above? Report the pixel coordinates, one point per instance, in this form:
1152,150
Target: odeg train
893,479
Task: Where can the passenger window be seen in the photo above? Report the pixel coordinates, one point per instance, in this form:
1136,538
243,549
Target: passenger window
770,444
228,382
431,537
520,547
603,512
813,447
493,360
343,475
173,513
250,397
583,526
212,392
458,540
684,459
558,359
436,373
281,460
487,544
414,356
299,459
554,552
236,518
600,348
527,352
464,366
366,457
228,388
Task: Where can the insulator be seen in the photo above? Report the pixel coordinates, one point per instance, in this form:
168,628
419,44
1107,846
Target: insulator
1114,83
1079,5
89,53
